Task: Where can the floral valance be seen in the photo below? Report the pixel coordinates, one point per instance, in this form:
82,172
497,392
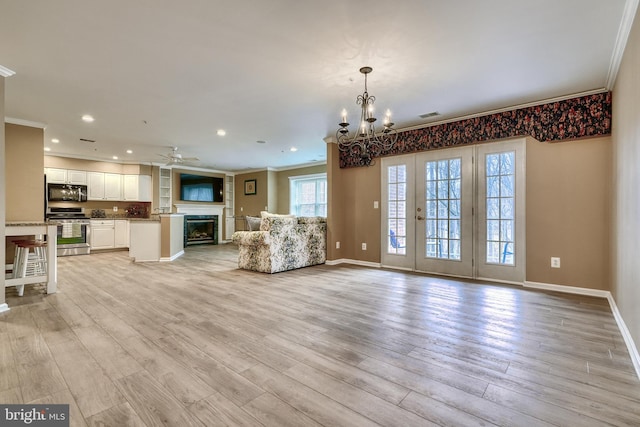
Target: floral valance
582,117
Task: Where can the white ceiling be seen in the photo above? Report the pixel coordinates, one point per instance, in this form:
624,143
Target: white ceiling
161,73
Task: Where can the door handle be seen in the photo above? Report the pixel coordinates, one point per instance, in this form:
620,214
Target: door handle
420,218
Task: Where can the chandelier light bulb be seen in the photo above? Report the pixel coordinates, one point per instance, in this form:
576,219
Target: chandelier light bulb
344,115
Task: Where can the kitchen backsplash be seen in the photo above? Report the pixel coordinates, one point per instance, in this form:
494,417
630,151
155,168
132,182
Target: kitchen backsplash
108,208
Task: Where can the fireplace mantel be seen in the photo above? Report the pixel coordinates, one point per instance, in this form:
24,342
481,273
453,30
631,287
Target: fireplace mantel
198,209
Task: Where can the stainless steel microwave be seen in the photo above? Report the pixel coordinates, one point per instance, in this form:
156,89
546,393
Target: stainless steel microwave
66,193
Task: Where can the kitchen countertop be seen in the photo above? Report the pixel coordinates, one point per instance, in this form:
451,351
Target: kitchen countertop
110,218
27,223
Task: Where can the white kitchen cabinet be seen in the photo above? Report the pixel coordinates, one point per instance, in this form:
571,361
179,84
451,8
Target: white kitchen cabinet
137,188
66,176
104,186
102,234
109,233
76,177
121,233
56,176
113,186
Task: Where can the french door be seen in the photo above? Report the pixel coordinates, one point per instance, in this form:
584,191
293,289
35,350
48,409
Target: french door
457,211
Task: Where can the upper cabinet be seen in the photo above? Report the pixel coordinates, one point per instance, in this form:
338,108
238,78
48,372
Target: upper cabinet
137,188
66,176
104,186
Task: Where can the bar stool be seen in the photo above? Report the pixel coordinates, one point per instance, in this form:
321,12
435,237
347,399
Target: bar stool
27,262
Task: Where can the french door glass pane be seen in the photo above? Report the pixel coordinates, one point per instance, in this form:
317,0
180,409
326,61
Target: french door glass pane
442,208
500,202
397,215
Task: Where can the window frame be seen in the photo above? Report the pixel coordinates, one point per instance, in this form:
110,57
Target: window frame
293,192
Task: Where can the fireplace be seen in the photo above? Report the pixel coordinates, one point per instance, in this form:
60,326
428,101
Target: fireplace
200,230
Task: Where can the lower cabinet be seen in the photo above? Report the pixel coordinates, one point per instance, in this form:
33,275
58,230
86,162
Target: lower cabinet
121,233
109,234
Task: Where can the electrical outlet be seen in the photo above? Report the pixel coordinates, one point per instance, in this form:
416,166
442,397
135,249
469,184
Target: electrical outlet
337,245
241,208
364,246
375,204
555,262
115,209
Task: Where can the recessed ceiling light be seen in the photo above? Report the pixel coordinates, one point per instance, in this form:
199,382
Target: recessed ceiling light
87,118
294,149
221,132
47,149
55,140
115,157
129,151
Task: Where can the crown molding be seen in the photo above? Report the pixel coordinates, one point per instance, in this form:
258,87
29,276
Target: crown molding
505,109
5,72
629,13
22,122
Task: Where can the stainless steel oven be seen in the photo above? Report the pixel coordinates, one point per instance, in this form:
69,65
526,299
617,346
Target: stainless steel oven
74,230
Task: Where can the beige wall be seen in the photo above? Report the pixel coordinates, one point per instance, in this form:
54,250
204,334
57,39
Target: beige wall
251,205
24,173
172,235
625,242
272,192
567,214
353,219
568,187
283,184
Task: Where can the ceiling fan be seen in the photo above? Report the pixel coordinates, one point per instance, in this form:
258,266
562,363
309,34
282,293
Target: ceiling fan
175,158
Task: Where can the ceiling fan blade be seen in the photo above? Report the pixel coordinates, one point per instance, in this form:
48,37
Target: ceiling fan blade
191,159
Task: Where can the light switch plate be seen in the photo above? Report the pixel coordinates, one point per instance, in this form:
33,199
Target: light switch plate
555,262
364,246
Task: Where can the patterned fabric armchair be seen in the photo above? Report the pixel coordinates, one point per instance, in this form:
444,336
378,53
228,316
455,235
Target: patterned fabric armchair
283,243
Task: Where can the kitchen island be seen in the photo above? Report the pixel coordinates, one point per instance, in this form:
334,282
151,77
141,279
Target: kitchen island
36,230
156,239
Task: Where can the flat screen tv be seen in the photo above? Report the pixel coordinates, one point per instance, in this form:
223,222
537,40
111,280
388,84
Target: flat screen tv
199,188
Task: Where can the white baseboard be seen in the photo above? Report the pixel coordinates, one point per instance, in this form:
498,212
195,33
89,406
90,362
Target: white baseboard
353,261
568,289
4,307
176,256
628,339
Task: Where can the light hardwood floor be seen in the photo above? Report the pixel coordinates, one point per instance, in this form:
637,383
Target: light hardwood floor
197,342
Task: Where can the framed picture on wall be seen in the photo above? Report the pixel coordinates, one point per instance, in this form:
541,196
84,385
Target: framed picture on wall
249,187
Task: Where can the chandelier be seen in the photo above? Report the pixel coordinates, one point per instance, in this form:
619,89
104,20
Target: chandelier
366,143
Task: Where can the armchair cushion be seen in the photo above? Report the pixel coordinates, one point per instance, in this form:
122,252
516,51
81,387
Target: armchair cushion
253,222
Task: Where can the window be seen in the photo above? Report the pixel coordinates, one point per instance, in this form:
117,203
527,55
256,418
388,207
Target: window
308,195
397,205
500,176
443,180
